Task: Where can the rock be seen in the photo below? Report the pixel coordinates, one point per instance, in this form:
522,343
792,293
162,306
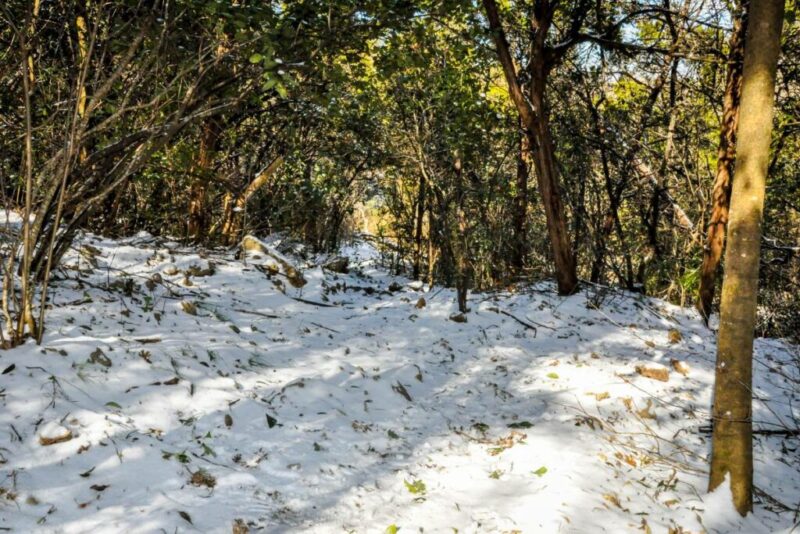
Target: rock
171,270
416,285
652,370
394,287
674,336
680,366
339,264
458,318
52,433
421,303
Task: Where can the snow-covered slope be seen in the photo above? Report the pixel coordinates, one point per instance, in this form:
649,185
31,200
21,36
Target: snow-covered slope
184,403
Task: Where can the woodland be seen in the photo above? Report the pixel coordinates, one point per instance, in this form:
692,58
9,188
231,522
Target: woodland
470,201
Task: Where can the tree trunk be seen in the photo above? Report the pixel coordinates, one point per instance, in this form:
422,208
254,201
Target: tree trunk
460,240
433,251
520,250
198,208
418,227
726,155
732,447
532,111
233,208
545,163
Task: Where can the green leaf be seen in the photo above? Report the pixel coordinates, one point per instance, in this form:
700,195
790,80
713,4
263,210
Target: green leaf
416,487
540,472
256,58
112,404
481,427
521,424
554,376
392,529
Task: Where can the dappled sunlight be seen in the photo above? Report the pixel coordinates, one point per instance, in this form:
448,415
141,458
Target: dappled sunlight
362,413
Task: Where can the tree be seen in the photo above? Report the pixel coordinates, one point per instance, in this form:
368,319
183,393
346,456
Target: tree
529,100
715,239
732,448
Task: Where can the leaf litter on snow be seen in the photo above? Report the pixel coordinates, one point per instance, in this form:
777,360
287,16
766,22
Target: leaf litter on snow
184,389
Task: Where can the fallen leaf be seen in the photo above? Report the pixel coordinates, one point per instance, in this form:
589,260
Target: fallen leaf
654,371
680,366
86,474
674,336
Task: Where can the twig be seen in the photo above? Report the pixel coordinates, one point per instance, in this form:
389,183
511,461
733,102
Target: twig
267,315
325,327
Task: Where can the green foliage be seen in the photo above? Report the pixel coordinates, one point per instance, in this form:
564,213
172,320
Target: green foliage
366,102
417,487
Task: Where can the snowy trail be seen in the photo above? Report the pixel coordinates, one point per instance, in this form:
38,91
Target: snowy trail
366,411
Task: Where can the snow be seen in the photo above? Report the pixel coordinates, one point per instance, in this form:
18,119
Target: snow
341,406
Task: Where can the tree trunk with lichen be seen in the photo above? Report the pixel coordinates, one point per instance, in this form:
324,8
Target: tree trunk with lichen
732,447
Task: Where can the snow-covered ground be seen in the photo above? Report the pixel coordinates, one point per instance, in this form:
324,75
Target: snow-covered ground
182,403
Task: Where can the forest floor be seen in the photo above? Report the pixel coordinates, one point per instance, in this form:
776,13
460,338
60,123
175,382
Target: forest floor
161,401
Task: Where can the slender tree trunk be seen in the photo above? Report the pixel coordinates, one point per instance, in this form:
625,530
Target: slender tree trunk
521,206
532,111
726,154
26,306
459,241
433,251
547,173
418,227
732,447
198,205
233,208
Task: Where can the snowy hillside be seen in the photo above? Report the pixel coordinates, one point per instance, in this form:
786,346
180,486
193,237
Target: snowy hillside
183,392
